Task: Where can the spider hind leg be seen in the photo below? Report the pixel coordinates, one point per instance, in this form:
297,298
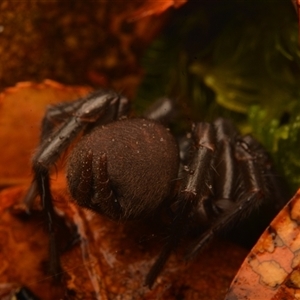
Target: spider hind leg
255,186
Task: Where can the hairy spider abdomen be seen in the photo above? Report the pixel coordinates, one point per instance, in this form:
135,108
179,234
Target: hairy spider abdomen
124,169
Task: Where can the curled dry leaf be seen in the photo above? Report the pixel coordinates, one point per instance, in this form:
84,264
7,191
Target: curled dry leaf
272,269
101,259
21,110
154,7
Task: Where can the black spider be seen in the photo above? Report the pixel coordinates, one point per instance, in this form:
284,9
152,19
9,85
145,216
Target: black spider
127,168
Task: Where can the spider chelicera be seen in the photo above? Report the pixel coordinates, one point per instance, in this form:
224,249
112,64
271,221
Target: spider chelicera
127,168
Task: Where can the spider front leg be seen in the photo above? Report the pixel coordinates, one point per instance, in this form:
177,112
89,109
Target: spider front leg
97,108
82,113
55,115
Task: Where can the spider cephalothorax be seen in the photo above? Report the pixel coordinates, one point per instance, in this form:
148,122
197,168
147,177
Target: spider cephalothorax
127,168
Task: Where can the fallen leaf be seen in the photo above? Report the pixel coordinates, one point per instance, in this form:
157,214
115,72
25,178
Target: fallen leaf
21,110
111,260
154,7
272,268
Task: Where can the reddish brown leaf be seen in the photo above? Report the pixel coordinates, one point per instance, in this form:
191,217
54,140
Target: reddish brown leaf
155,7
111,259
21,110
272,269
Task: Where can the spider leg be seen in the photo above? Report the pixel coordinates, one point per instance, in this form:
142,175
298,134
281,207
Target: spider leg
253,162
41,180
55,115
274,183
226,173
197,182
90,111
199,170
162,110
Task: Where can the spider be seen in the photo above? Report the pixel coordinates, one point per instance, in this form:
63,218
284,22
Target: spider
128,168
